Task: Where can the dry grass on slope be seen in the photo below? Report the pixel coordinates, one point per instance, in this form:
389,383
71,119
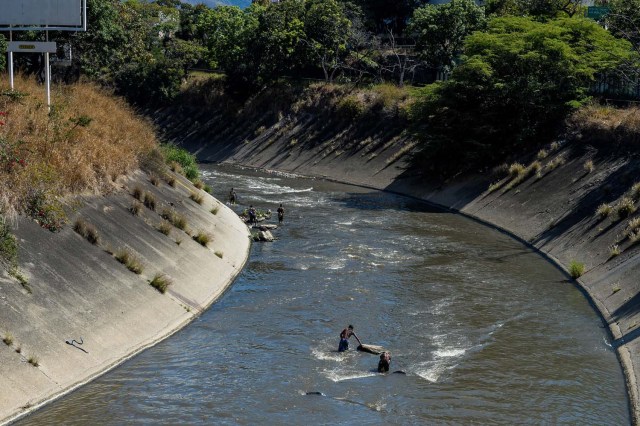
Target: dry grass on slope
605,124
87,140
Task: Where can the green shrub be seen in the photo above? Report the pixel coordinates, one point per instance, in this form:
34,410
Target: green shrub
129,260
351,107
161,282
576,269
186,160
48,213
8,245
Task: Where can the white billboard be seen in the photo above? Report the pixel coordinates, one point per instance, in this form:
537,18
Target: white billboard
39,13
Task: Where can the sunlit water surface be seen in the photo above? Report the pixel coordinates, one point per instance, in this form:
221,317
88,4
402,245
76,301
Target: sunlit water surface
485,329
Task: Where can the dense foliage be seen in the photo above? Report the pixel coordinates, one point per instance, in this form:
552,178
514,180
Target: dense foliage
518,80
519,66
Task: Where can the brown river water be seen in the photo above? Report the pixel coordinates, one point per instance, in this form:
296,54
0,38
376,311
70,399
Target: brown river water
486,330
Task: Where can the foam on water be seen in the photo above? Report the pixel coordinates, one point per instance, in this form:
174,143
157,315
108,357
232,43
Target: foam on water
322,354
340,375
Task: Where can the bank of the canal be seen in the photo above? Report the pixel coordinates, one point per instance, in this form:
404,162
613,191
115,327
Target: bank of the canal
81,312
554,213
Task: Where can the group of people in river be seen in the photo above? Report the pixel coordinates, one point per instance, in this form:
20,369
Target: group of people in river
252,212
385,356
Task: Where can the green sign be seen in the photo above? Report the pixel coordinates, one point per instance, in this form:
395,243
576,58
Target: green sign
597,12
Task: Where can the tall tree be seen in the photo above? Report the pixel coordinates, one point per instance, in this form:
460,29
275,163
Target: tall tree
440,30
326,34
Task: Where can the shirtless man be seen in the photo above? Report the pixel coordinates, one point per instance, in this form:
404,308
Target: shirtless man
344,338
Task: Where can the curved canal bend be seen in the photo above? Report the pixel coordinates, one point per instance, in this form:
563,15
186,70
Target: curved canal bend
486,330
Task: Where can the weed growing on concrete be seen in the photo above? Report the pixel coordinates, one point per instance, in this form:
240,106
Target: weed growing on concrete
632,226
219,253
554,146
137,193
198,198
178,241
603,211
614,250
174,218
615,290
87,230
215,210
170,180
161,282
634,237
8,339
164,227
625,208
576,269
208,189
149,201
155,180
18,350
129,260
203,238
33,360
135,208
635,191
516,169
555,163
521,173
588,166
542,154
198,184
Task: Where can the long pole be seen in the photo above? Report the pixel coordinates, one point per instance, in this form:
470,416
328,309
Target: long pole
47,73
11,62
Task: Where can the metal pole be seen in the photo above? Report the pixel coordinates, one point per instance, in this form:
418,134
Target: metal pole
11,62
47,74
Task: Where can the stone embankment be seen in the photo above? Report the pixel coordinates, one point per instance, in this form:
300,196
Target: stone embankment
77,290
551,206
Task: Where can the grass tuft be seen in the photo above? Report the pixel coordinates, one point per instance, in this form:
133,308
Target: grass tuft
635,191
219,253
161,282
137,193
136,208
215,210
588,166
542,154
33,360
174,218
203,238
198,198
576,269
8,339
130,260
87,230
625,208
603,211
150,201
614,250
164,227
155,180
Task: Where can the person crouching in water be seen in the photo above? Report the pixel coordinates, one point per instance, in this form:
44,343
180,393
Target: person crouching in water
344,338
385,362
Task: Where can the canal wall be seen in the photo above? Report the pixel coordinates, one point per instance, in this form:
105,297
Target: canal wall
552,207
73,289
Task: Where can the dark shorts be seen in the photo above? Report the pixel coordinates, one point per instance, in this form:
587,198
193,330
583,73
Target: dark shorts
343,346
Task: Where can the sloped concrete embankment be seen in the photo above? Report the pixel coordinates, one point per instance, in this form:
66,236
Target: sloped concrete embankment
79,290
553,211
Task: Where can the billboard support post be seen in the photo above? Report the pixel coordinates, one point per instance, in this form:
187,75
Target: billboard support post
40,15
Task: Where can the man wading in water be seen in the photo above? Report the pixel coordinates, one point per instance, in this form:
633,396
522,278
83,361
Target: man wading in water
280,214
344,338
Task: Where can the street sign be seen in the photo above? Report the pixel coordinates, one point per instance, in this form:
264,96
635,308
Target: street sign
597,12
32,46
27,15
